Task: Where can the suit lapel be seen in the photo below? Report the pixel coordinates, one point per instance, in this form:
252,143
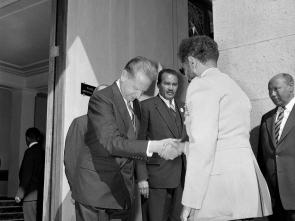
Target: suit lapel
180,110
163,112
270,124
290,123
121,106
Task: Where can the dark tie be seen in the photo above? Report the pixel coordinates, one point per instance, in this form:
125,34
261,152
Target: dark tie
278,123
172,110
173,113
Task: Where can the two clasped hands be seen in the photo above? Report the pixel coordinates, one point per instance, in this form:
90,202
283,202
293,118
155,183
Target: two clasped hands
168,149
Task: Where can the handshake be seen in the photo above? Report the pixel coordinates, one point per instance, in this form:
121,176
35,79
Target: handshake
168,149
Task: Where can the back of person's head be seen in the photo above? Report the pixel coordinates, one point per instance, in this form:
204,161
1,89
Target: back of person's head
33,134
288,78
200,47
144,65
166,71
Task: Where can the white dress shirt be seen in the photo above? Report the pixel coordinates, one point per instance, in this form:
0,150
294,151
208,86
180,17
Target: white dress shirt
288,109
170,104
33,143
126,102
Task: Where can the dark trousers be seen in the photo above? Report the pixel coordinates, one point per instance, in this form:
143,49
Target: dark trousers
162,204
30,210
279,213
90,213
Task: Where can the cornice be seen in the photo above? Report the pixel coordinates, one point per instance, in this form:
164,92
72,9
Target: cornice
27,70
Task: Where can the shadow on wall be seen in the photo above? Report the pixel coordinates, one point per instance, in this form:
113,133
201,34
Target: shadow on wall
68,204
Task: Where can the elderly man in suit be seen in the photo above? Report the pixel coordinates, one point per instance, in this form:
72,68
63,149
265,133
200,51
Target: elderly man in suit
160,180
276,150
223,180
31,177
105,172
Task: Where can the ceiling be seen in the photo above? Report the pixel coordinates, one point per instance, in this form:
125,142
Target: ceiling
25,34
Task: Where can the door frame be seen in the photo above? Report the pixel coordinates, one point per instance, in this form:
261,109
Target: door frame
52,194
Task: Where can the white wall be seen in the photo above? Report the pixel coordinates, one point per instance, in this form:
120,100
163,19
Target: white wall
103,35
257,41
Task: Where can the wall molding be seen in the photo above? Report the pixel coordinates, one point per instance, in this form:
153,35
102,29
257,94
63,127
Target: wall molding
26,70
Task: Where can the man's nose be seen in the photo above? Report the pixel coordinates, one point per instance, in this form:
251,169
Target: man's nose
273,93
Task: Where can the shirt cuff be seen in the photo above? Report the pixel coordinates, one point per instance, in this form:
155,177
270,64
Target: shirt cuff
186,148
148,153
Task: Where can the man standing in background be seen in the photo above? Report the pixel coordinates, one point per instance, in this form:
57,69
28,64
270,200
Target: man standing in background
160,180
276,150
31,177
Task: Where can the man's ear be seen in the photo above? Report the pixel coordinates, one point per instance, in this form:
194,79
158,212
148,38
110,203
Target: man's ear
192,62
124,75
191,59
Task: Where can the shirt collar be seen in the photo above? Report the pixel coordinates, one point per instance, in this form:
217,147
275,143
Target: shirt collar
33,143
119,86
167,102
290,105
206,71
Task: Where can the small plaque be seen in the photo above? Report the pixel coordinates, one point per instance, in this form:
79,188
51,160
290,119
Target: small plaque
87,89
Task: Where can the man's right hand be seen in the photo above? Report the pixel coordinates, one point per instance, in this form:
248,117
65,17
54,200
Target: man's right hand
143,187
168,148
17,199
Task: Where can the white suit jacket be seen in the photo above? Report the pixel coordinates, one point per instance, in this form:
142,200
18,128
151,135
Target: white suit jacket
223,179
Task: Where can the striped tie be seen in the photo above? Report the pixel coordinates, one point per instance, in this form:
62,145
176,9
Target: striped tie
132,115
278,123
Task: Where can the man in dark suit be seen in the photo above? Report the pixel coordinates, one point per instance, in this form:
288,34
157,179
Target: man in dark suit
31,177
276,150
105,172
160,181
75,142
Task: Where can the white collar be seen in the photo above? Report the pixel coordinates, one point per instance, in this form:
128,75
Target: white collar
33,143
207,70
168,103
290,105
126,102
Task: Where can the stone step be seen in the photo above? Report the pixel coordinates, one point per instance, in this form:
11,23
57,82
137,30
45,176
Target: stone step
8,202
10,209
13,220
11,216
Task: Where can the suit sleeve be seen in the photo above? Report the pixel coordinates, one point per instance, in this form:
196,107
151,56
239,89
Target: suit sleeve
141,169
203,107
260,160
74,141
103,129
26,170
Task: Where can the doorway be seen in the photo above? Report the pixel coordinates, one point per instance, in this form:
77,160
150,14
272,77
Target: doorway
28,65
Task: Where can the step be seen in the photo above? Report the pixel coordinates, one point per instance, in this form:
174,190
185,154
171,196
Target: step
13,220
8,203
10,209
7,216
